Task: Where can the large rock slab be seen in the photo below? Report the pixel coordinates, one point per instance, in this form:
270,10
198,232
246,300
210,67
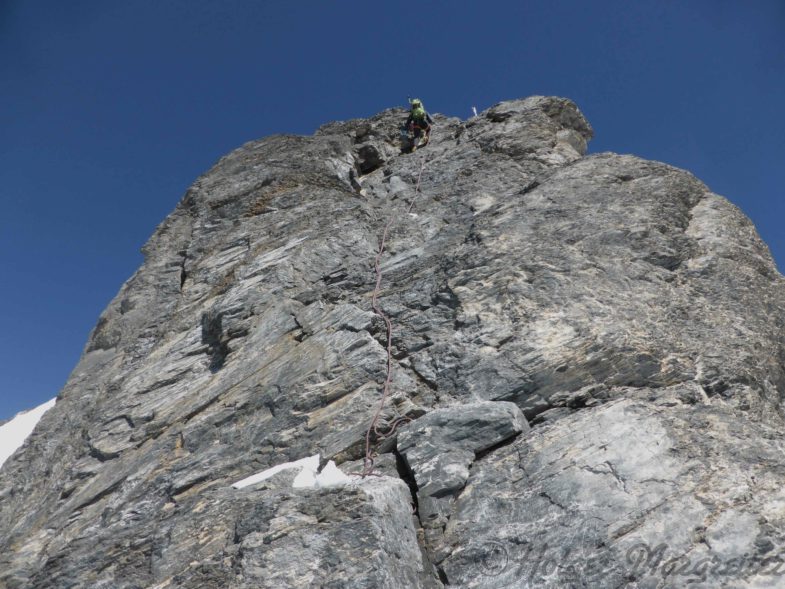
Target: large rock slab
627,494
440,448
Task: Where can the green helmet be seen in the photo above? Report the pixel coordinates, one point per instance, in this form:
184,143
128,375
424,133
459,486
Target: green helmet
416,103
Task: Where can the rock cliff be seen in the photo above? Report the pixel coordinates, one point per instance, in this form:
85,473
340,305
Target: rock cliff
587,359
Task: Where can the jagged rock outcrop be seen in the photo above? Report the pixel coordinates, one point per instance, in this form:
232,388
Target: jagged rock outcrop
588,353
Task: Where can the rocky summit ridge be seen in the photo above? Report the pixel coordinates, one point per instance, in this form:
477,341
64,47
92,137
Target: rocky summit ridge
587,362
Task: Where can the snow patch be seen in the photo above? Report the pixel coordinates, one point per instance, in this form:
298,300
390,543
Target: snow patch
332,476
14,433
307,478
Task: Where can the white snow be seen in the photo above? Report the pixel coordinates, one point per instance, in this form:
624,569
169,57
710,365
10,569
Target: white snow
307,478
14,433
304,464
332,476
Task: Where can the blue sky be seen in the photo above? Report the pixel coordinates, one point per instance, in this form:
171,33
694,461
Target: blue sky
109,110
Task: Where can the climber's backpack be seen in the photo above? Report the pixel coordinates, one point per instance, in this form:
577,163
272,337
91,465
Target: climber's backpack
418,112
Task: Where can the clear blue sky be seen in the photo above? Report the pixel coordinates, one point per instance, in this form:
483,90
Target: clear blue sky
110,109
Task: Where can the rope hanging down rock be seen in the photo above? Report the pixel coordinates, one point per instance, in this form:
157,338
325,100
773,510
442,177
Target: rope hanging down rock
372,428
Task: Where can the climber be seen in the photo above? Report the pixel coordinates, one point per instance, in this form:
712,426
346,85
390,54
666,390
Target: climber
419,121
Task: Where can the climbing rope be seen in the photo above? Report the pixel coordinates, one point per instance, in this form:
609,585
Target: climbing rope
372,428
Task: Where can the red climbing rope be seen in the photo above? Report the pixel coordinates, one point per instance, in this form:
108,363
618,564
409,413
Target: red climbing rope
369,454
417,188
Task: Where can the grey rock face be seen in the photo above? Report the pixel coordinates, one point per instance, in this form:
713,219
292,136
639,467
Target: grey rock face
440,447
358,537
630,316
653,497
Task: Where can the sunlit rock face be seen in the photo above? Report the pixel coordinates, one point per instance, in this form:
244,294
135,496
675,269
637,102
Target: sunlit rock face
587,369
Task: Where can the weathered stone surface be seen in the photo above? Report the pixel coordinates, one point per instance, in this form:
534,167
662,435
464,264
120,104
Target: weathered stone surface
630,493
269,535
633,317
439,449
472,426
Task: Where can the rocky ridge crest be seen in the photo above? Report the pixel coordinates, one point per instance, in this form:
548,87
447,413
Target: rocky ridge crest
588,352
